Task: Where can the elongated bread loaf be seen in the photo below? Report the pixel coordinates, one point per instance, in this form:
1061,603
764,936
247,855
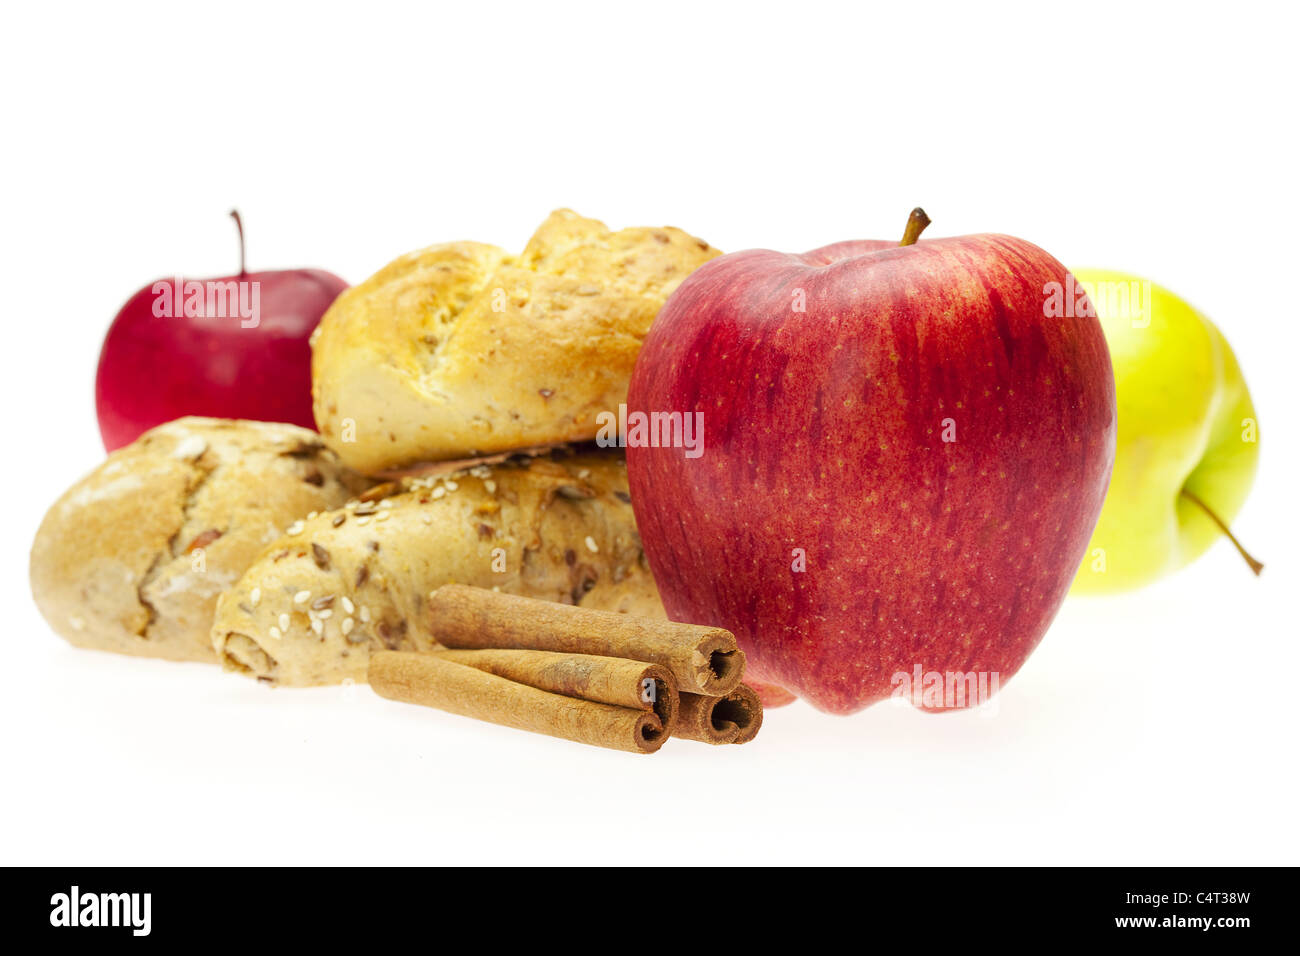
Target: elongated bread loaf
314,604
132,558
461,349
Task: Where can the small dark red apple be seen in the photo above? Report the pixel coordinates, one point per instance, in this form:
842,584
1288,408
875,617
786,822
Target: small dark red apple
903,458
231,347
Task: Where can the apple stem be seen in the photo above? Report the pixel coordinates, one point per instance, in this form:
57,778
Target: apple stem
916,224
239,224
1255,566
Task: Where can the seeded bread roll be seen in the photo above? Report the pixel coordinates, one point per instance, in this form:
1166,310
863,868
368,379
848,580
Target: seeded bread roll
131,559
462,350
314,604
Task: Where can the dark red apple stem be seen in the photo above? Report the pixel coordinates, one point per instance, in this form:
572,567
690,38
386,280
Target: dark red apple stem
916,224
1255,566
239,224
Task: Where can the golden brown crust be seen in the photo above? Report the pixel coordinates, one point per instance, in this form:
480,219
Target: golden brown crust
313,605
461,349
132,558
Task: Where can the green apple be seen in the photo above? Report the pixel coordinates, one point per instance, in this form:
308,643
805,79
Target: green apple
1188,439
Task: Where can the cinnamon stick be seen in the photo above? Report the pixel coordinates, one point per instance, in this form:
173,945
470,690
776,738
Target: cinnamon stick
734,718
702,660
608,680
434,681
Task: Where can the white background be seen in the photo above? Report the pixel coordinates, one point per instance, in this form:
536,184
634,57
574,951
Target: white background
1154,728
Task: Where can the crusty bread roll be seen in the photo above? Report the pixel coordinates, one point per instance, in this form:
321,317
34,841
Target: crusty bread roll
314,604
461,349
131,559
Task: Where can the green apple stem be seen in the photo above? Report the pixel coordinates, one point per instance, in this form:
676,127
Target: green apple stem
239,224
1255,566
916,224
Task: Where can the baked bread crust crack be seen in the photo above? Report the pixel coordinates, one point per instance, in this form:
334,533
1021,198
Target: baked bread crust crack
314,604
462,350
133,557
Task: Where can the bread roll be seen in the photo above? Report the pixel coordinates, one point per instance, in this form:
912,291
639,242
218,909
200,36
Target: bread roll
314,604
131,559
460,350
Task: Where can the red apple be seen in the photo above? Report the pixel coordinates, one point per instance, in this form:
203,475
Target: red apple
231,347
903,459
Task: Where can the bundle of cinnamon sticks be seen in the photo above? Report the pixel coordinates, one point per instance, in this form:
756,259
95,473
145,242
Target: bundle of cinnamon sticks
596,677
